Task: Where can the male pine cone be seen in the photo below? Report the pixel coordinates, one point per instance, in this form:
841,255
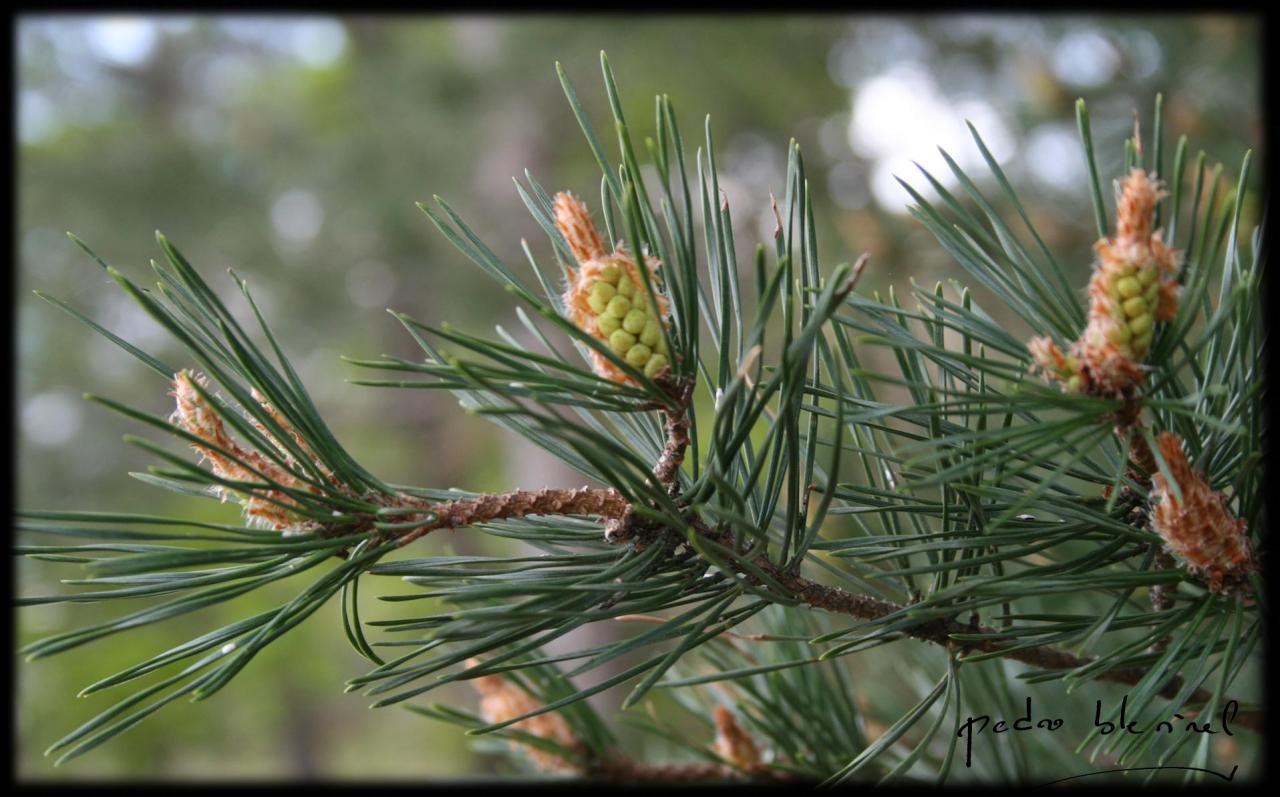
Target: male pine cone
1132,288
607,298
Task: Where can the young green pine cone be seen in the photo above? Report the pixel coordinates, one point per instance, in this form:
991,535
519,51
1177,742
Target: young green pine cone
1132,288
607,299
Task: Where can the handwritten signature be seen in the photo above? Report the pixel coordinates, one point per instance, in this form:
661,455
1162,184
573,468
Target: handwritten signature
974,727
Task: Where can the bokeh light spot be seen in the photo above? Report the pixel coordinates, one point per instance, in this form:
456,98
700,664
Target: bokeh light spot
296,216
51,419
127,41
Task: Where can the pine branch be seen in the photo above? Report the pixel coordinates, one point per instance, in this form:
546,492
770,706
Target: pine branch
953,476
627,770
603,502
677,439
609,504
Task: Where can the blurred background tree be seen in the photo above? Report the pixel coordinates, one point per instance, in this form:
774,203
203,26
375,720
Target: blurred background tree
292,149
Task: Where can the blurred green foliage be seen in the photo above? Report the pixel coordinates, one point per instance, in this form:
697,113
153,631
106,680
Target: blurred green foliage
292,149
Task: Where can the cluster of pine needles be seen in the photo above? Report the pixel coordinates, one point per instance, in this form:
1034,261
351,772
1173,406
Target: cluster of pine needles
770,504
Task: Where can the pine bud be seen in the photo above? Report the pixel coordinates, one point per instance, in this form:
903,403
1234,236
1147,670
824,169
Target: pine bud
1046,356
298,440
502,700
194,414
732,742
1199,530
1131,289
607,298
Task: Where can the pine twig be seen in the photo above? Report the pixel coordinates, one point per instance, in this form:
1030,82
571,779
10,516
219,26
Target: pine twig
626,770
677,442
609,504
866,607
603,502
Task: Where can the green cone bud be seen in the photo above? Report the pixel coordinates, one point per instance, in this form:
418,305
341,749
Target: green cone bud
618,307
626,287
635,321
1140,325
621,341
627,320
1148,275
638,355
607,324
656,363
1135,307
1128,287
604,290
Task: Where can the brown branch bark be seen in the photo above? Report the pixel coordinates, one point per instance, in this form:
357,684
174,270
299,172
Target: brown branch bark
1047,657
1161,599
626,770
602,502
677,425
673,452
610,504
